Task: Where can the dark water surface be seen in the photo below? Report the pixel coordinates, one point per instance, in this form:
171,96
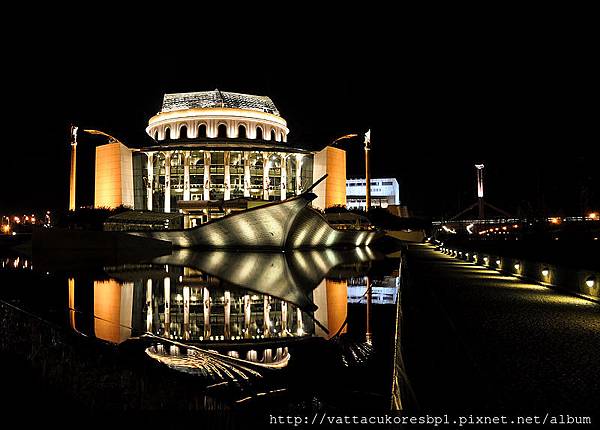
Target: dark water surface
229,336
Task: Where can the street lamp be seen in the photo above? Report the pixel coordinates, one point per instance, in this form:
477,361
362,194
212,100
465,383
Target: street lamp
73,176
73,141
346,136
111,139
367,169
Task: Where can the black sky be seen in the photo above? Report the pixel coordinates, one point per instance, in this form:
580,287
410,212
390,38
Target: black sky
524,102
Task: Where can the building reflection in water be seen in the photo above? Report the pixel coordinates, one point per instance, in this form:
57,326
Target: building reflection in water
197,317
187,305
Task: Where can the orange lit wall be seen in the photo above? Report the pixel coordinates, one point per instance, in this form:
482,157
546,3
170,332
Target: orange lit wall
332,192
337,304
114,176
331,299
113,310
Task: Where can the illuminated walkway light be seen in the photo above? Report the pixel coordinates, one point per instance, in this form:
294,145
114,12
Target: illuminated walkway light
590,282
545,273
517,267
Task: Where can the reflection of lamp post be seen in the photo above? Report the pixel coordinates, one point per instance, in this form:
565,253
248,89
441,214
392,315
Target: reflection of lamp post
368,330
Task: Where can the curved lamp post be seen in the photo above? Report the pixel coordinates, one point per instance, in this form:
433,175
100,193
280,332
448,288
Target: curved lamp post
367,168
73,175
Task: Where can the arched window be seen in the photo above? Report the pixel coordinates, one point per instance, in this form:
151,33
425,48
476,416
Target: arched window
273,135
167,133
183,133
202,131
242,131
259,133
222,130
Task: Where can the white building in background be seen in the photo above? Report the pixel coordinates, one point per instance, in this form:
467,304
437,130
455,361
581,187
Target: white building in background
384,192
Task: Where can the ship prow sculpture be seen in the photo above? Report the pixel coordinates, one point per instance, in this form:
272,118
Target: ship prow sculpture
287,224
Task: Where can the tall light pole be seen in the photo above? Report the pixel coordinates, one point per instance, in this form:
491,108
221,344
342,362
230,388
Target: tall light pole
367,171
73,141
481,205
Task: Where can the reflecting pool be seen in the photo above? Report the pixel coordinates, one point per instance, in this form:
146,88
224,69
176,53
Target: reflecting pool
210,330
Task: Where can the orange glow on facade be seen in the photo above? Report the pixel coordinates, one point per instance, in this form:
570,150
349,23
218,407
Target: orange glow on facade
337,304
114,176
113,306
332,191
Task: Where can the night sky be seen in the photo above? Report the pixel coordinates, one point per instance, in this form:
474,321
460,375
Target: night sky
523,103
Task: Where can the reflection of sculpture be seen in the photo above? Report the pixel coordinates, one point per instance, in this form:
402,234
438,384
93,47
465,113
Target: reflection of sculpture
288,276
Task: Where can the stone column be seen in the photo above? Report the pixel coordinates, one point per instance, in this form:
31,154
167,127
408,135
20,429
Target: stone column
266,316
284,319
167,282
227,305
247,316
298,173
206,175
265,176
206,298
150,183
186,313
300,326
149,313
168,181
186,175
246,174
283,176
226,160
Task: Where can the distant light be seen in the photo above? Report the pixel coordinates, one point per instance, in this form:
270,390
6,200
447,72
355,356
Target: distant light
545,273
593,215
590,282
554,220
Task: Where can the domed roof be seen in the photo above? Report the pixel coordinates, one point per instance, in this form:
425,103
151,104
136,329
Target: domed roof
217,99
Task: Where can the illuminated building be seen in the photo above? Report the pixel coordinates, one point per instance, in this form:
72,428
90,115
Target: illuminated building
384,192
215,146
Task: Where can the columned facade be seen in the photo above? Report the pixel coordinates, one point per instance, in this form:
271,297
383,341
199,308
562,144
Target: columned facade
211,147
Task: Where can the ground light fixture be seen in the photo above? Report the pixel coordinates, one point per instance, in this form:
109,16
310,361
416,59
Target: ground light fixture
517,267
590,282
545,272
498,263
